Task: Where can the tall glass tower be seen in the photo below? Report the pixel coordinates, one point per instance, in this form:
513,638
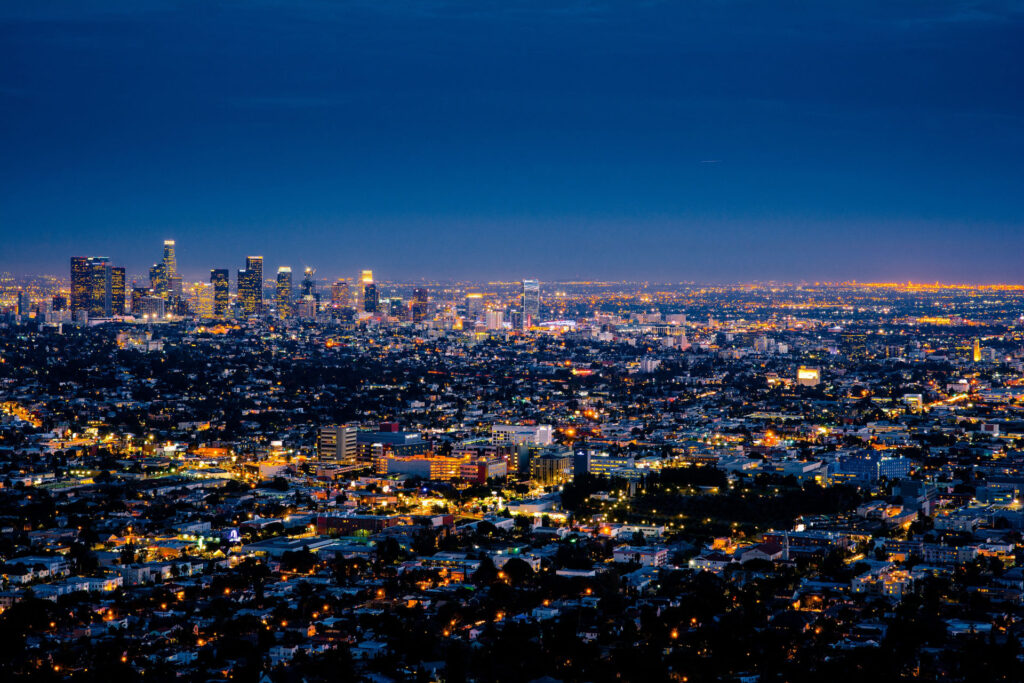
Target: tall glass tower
81,284
100,293
117,291
420,303
250,286
221,291
284,291
531,302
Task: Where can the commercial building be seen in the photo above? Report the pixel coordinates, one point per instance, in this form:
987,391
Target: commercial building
522,434
81,289
219,278
117,291
338,443
371,298
340,294
308,283
250,286
551,468
420,305
201,299
158,280
808,377
531,302
474,307
170,260
870,466
284,292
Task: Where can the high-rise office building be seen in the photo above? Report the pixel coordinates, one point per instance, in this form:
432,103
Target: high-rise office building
201,297
23,303
158,280
976,351
284,291
254,264
96,289
395,307
175,288
220,279
531,302
248,298
150,308
308,283
117,291
81,284
170,261
420,303
337,443
371,298
495,320
250,286
340,296
137,294
474,307
100,293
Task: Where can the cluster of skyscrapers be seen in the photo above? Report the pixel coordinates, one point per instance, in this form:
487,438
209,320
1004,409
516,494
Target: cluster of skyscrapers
99,290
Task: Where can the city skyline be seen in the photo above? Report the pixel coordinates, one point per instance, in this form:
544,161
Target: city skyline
716,143
501,341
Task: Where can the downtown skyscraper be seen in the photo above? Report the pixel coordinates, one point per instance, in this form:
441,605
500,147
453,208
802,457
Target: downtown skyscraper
531,302
220,279
97,288
250,286
420,303
371,296
284,292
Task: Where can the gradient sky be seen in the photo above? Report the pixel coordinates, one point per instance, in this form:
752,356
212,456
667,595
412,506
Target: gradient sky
698,140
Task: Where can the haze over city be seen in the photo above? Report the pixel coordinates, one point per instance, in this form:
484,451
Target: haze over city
704,141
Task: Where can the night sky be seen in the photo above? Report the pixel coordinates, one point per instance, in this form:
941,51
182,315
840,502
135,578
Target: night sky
682,140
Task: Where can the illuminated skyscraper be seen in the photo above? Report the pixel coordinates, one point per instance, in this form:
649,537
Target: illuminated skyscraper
250,286
976,355
170,261
474,307
248,296
158,279
531,302
495,320
340,296
420,303
371,298
395,307
99,287
308,283
284,291
150,308
81,284
138,293
117,291
175,288
201,299
219,278
23,303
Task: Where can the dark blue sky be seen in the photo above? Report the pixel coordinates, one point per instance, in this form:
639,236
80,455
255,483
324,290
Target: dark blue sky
699,140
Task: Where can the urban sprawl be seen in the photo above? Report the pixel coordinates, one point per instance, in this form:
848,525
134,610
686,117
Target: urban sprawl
354,479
